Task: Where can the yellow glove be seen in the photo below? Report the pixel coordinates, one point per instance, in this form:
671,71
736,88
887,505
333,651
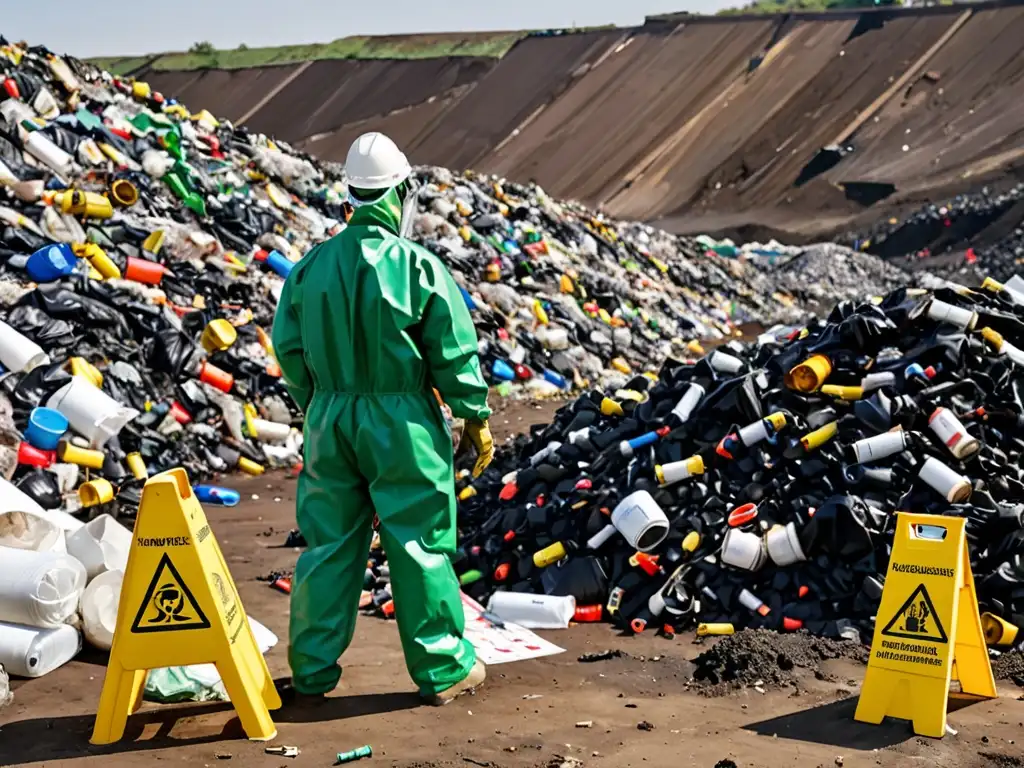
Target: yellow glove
479,434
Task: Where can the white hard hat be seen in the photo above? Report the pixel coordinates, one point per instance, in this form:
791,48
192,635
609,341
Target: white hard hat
375,162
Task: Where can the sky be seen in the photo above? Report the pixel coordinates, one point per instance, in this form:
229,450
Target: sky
108,29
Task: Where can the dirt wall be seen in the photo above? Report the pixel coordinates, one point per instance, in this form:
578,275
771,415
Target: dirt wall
705,122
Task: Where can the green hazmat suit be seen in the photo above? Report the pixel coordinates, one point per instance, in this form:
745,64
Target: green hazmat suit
367,323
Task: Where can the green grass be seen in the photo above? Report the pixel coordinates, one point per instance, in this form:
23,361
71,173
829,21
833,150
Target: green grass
120,65
484,44
787,6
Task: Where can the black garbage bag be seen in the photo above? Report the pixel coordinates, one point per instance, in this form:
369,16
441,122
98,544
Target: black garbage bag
42,487
170,351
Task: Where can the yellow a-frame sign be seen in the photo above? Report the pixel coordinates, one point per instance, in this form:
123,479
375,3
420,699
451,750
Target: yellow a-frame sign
180,606
928,630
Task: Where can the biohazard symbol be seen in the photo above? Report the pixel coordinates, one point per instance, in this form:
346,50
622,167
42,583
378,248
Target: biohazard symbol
168,604
917,619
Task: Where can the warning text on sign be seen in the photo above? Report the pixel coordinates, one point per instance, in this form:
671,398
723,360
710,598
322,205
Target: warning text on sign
894,651
922,570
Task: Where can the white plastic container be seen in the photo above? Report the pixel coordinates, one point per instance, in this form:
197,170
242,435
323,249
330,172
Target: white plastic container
879,446
91,411
34,652
677,471
533,611
553,337
98,607
31,531
742,549
948,482
44,150
19,354
684,408
964,319
101,545
783,545
724,362
271,431
641,521
39,589
951,431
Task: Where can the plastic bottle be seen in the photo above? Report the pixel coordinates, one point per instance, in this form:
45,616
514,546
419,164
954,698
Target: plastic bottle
212,494
44,150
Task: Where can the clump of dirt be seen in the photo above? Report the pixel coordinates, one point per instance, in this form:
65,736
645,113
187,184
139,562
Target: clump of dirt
1000,760
1010,666
771,659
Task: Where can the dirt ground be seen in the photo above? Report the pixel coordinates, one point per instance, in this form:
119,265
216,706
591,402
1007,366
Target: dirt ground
641,708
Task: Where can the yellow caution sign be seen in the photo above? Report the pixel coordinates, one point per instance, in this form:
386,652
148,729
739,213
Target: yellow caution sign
179,606
928,630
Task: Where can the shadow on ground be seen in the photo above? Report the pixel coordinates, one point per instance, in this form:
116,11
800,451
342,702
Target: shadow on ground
65,738
833,724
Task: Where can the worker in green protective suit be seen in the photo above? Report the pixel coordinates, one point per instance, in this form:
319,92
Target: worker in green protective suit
368,322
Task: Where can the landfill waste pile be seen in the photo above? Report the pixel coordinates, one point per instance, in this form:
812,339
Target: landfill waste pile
755,487
144,248
818,276
967,238
142,253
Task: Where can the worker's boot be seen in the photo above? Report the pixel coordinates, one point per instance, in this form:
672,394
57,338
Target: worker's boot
468,684
290,697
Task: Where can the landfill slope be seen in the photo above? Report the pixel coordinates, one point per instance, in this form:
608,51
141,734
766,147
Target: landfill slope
532,74
233,93
956,120
706,123
711,146
330,94
592,136
403,125
769,155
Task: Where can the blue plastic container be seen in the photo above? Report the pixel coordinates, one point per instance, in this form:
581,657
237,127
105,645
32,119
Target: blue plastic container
45,428
280,263
51,262
467,298
556,378
213,494
502,371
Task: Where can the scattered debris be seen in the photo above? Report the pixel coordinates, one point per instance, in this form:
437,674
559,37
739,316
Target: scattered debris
601,655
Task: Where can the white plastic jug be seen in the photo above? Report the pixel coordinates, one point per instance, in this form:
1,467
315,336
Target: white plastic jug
19,354
101,545
34,652
91,411
533,611
99,609
39,589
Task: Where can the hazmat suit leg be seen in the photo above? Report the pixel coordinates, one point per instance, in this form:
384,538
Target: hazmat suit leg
405,451
335,516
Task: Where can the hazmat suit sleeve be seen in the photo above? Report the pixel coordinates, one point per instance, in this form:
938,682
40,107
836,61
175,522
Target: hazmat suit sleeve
287,340
448,339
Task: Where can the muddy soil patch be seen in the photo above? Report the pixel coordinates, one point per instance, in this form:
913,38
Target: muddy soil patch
762,659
